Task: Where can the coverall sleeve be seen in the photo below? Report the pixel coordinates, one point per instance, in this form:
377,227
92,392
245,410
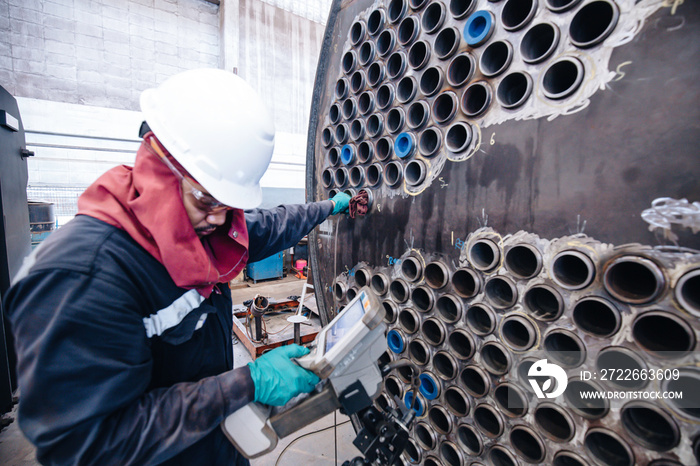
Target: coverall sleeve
84,376
273,230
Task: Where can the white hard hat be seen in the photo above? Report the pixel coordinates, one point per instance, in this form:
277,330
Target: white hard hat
218,128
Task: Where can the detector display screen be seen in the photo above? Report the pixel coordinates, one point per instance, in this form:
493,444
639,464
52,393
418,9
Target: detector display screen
351,315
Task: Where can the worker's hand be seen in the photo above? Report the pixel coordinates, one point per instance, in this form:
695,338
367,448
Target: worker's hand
341,203
278,379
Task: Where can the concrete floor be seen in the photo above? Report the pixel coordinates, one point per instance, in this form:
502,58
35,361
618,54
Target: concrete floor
303,447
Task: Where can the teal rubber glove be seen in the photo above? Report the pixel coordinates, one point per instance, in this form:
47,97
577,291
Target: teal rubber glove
342,203
278,379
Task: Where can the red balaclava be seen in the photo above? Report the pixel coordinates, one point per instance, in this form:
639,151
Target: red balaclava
146,202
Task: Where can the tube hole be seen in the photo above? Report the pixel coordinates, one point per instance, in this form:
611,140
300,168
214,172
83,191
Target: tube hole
554,422
445,365
415,172
451,455
357,81
357,130
422,297
399,291
419,352
386,42
364,152
390,312
517,13
374,174
663,334
392,386
431,81
436,275
588,407
456,401
567,458
458,137
432,461
440,420
406,89
475,381
544,302
429,143
417,4
484,255
496,58
333,156
425,436
650,426
593,23
514,89
341,177
469,440
349,61
527,444
501,292
357,176
476,99
597,317
396,65
412,269
405,372
382,402
619,360
412,453
539,42
395,120
500,456
419,55
523,261
417,114
446,43
466,283
518,332
375,73
433,17
449,308
408,30
511,400
327,137
367,52
357,32
572,270
488,421
481,320
385,96
461,8
688,292
327,178
634,279
462,344
349,108
565,348
433,331
384,148
375,22
460,69
334,113
397,9
393,173
608,447
687,382
495,358
559,6
562,78
375,125
352,292
339,290
341,88
445,107
379,283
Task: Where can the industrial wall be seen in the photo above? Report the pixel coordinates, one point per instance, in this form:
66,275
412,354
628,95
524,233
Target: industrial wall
78,67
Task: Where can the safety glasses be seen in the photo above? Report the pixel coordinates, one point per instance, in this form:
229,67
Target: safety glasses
206,202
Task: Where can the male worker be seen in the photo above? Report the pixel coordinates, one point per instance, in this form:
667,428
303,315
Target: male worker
123,318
